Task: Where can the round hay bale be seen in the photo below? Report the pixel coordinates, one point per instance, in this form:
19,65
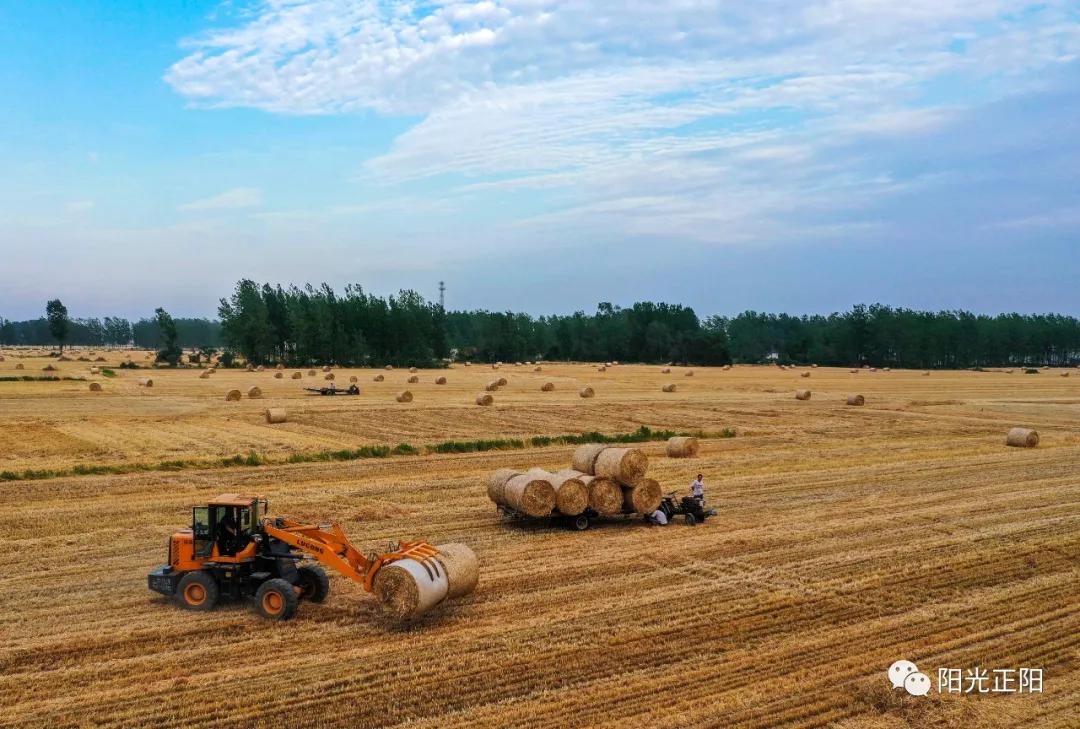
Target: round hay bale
497,482
19,366
279,375
502,382
1064,374
665,371
669,387
407,588
388,367
587,392
601,368
412,369
805,374
484,399
1022,438
538,369
204,375
404,396
605,496
2,358
814,366
233,396
95,370
461,566
926,374
100,359
275,415
856,400
495,366
49,368
492,386
440,380
529,496
297,376
326,368
873,369
279,366
413,380
329,376
353,378
311,373
379,378
644,498
682,446
585,456
688,373
146,382
254,392
571,494
468,364
886,369
625,465
854,372
260,368
547,387
802,394
250,368
95,387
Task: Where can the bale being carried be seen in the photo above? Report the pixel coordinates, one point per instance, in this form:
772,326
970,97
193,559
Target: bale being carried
605,496
528,495
682,446
625,465
644,498
462,568
585,456
571,495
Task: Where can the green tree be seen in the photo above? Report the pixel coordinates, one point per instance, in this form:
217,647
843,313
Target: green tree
59,323
170,352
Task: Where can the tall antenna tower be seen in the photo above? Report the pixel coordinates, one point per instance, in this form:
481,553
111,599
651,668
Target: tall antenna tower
442,295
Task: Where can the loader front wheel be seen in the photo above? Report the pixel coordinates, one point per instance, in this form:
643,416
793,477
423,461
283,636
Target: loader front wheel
197,591
276,600
313,583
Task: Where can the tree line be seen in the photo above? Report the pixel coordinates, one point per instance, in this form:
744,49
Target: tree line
265,324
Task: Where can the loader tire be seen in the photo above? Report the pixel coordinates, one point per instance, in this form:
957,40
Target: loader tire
197,591
313,583
276,600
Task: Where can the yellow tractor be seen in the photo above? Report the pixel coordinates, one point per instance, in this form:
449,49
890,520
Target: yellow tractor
233,550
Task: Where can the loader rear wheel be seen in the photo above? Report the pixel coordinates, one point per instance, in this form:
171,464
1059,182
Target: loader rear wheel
313,583
276,600
197,591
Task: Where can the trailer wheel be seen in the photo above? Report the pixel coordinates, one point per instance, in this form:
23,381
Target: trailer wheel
197,591
580,522
276,600
689,520
313,583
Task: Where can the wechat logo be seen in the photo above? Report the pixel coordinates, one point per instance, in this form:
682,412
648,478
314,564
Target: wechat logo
907,675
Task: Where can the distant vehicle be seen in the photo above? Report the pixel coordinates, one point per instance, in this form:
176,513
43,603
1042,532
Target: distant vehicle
334,390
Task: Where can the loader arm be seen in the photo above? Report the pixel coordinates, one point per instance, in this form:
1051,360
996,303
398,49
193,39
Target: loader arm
332,548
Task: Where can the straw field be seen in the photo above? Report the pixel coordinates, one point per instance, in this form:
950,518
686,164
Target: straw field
847,538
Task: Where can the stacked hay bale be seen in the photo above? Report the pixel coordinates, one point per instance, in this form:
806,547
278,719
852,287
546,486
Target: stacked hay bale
626,467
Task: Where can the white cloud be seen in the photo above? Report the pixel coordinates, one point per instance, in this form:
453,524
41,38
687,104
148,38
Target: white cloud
234,199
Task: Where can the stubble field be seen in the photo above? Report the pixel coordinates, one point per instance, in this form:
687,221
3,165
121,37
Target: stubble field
847,538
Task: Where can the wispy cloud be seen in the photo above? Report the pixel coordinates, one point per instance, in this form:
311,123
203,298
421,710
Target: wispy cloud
234,199
79,206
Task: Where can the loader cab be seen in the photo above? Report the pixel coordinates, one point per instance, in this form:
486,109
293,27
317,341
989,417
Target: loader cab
213,526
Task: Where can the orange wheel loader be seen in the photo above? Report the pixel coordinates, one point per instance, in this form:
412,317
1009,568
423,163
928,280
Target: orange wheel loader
233,550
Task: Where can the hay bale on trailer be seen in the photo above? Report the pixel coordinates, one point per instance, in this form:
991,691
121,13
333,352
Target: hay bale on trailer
254,392
571,494
856,400
669,387
275,415
484,399
585,456
605,496
682,446
802,394
625,465
1022,438
587,392
95,387
497,482
644,498
404,396
547,387
233,396
529,495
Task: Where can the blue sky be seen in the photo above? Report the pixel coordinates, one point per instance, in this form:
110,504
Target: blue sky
542,155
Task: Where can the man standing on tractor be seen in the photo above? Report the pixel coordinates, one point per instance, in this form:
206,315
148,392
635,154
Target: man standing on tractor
698,488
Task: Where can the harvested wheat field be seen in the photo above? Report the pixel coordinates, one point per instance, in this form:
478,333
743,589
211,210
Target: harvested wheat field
846,538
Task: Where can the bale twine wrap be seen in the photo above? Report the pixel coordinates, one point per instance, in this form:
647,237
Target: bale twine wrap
233,396
529,495
502,382
462,568
644,498
254,392
547,387
408,588
95,387
585,456
571,494
275,415
279,375
497,483
587,392
379,378
440,380
328,376
297,375
404,396
669,387
625,465
1022,438
146,382
688,373
413,380
484,398
492,386
605,496
682,446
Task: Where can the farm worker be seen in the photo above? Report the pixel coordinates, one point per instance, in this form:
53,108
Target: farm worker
698,488
658,517
227,535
